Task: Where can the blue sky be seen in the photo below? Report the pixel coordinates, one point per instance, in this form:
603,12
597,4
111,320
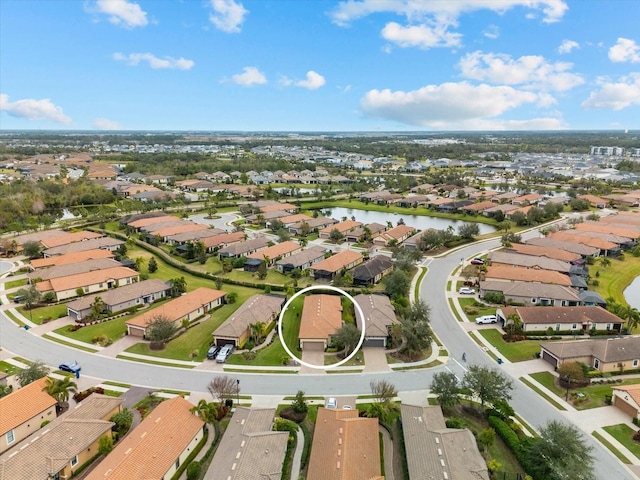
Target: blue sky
305,65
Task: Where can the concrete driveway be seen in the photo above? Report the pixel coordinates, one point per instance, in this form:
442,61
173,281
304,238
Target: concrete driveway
314,357
375,360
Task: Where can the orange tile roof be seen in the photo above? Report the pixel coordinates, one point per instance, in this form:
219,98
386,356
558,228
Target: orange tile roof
186,227
24,404
399,231
84,279
145,222
538,251
59,240
223,238
342,227
590,241
277,206
298,217
338,261
153,447
480,206
527,275
321,316
620,231
276,250
71,258
179,307
344,447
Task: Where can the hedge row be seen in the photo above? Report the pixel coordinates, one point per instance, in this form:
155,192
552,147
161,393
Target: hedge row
517,445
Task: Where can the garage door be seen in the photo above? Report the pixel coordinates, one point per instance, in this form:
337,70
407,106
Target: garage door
625,407
221,342
313,346
374,342
547,357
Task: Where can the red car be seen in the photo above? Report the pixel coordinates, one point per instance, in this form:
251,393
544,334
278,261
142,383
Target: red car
477,261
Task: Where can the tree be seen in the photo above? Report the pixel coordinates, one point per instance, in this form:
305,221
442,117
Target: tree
605,262
343,279
572,370
123,421
33,372
513,326
305,229
559,453
510,238
5,390
105,445
206,411
283,234
258,330
383,406
223,387
232,297
335,236
469,230
486,438
415,329
152,266
296,273
32,249
396,284
262,270
97,307
299,405
121,252
488,384
346,338
160,329
445,386
60,389
178,286
30,294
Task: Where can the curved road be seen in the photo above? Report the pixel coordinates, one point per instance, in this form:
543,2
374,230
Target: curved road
534,409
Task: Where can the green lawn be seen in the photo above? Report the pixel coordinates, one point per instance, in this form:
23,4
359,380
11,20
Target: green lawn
514,351
273,355
611,448
113,329
8,368
291,324
616,277
539,391
15,283
624,434
273,276
44,314
473,308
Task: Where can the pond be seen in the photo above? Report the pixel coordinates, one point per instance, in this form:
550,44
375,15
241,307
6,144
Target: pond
419,222
632,293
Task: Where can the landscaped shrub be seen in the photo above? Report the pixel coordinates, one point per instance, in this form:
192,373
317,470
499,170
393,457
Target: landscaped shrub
193,470
494,297
249,355
455,422
78,397
506,433
289,414
222,411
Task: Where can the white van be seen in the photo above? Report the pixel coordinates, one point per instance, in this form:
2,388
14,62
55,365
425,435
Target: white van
224,353
487,319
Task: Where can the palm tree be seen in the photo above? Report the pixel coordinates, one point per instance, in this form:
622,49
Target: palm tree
61,389
206,411
631,315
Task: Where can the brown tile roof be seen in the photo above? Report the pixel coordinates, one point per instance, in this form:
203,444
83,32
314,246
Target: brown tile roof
321,316
70,258
83,279
508,258
23,404
276,250
121,294
338,261
629,232
581,315
549,252
590,241
179,307
102,242
257,308
298,217
222,239
277,206
342,227
302,258
153,447
478,207
195,235
60,240
184,228
37,236
606,350
579,248
345,447
242,248
144,222
379,314
532,290
95,406
398,232
74,268
505,272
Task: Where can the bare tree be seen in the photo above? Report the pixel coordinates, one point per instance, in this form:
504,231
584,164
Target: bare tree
223,387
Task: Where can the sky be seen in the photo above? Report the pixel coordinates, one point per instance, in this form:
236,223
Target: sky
320,65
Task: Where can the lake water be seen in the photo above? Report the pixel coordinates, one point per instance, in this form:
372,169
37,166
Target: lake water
632,293
420,222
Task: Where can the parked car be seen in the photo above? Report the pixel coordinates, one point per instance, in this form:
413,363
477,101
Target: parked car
477,261
224,353
467,291
486,319
71,367
332,402
212,352
346,407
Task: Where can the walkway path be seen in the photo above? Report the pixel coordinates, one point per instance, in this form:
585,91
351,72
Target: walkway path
387,448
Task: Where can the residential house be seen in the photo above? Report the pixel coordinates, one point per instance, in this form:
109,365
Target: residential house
504,208
342,227
189,306
89,282
241,249
627,399
193,236
435,451
395,235
184,227
478,207
591,298
277,206
413,242
578,248
517,260
345,446
72,269
301,260
321,318
371,272
103,243
328,268
508,273
531,294
65,239
138,294
263,218
594,201
549,252
379,317
222,240
236,329
23,412
157,447
606,355
358,233
64,446
604,247
271,255
528,199
249,449
562,319
70,258
314,225
290,220
140,223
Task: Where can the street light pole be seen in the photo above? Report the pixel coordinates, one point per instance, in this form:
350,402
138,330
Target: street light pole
237,392
567,379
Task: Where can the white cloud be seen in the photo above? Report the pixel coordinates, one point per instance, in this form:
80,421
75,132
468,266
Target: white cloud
106,124
567,45
443,11
251,76
421,36
33,109
155,62
616,95
123,13
531,71
492,32
625,50
449,104
313,81
228,15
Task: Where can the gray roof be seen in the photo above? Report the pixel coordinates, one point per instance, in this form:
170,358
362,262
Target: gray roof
249,450
607,351
372,268
258,308
91,244
532,290
529,261
125,293
378,313
579,248
74,268
303,257
245,247
434,451
195,235
589,296
95,406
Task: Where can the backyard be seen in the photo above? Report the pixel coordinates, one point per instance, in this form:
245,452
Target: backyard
616,277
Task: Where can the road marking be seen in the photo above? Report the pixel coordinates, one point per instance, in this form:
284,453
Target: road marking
464,369
454,374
